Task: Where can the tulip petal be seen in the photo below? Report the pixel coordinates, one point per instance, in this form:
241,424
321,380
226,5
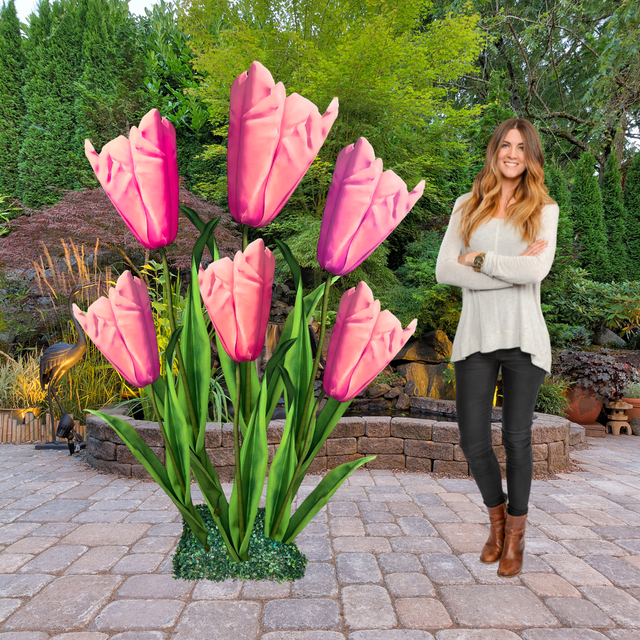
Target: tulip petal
216,287
132,311
302,133
99,324
364,205
140,176
156,176
255,116
363,342
114,170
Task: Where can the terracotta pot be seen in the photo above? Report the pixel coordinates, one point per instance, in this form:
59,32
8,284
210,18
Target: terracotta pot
635,412
585,407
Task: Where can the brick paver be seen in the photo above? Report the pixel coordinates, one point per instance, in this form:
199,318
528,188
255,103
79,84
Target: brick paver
393,556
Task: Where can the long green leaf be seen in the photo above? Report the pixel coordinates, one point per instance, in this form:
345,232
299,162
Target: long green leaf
216,501
325,424
199,224
177,428
196,357
150,462
320,496
281,474
254,456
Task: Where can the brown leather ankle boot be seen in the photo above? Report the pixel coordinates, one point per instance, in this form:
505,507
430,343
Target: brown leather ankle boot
492,550
511,559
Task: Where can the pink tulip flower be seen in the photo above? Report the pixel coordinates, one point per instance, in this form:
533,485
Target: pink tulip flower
238,298
364,205
363,342
140,176
272,142
122,327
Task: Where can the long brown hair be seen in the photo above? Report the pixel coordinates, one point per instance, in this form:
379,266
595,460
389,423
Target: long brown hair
531,194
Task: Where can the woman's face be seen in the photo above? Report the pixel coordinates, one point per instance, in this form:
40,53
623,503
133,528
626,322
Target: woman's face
511,156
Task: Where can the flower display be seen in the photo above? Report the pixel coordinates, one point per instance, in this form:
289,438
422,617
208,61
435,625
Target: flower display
122,327
364,205
140,176
237,295
273,139
363,342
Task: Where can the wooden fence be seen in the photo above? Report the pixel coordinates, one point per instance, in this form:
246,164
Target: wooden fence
32,430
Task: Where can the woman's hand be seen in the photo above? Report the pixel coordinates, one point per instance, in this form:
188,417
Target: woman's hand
467,258
535,248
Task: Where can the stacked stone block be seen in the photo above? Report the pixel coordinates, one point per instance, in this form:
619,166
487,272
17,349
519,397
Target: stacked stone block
412,443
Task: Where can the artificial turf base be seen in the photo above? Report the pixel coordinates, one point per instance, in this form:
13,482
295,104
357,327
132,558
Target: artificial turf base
268,559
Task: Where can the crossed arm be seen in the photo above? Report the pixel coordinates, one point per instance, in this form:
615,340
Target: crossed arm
498,272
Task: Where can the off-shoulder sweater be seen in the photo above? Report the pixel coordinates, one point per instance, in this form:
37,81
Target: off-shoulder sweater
501,303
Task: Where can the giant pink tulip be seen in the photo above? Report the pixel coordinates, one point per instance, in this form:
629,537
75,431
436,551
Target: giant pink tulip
272,142
364,205
238,298
121,326
363,342
140,176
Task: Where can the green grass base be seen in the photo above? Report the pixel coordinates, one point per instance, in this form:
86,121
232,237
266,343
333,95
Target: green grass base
268,559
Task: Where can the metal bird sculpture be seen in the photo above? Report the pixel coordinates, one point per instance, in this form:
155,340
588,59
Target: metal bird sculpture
59,358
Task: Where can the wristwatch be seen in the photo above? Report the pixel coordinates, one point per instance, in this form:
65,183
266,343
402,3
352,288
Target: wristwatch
478,261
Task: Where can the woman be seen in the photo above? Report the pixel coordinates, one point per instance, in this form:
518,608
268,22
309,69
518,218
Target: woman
498,247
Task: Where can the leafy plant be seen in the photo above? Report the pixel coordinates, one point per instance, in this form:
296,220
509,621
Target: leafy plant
218,398
600,372
552,397
632,390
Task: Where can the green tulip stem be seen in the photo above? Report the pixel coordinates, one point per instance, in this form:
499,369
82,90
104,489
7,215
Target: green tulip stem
172,321
167,445
301,459
245,236
247,391
247,370
316,363
236,450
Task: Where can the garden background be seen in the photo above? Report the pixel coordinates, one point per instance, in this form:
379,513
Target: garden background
426,83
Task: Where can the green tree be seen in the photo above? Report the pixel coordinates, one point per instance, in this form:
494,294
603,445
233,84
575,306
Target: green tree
614,218
12,108
388,64
558,190
49,159
170,81
587,209
632,211
110,89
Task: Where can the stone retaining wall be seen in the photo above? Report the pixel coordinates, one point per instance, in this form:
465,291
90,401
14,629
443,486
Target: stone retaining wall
415,444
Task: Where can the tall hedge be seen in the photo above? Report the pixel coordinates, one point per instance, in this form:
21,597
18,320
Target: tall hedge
632,211
588,218
49,158
559,191
12,107
614,218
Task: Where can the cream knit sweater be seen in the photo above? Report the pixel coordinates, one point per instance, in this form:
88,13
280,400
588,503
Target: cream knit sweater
500,304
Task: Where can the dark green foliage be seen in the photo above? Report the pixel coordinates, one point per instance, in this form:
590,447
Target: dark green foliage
552,398
632,211
614,218
110,89
12,108
558,190
268,559
49,159
588,215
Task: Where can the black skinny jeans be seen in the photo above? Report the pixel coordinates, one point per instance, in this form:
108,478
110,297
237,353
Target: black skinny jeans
475,386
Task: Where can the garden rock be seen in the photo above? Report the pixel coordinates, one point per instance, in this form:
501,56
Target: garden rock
417,372
378,390
434,347
604,336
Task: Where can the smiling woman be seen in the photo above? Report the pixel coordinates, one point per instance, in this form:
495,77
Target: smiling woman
505,230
